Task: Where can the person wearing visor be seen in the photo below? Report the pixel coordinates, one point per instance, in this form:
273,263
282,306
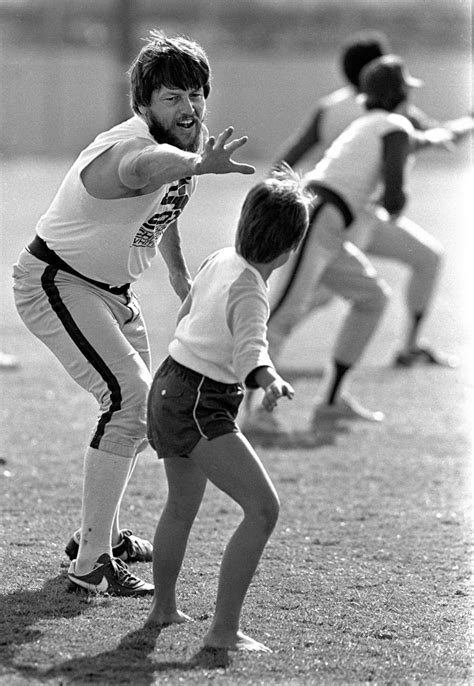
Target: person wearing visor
363,170
394,237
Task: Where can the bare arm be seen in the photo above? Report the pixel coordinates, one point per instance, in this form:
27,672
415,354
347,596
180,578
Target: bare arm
430,132
185,308
447,134
152,166
420,120
395,152
155,165
439,136
170,248
459,127
303,141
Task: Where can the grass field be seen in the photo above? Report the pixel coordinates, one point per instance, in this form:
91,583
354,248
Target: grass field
367,575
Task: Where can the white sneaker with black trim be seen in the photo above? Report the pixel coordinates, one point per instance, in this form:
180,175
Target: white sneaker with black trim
110,575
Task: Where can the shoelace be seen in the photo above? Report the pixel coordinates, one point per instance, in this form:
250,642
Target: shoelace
122,571
132,544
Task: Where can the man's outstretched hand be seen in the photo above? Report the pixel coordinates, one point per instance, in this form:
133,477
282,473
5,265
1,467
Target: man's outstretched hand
216,157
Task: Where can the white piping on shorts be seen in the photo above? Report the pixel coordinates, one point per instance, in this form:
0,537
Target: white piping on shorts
198,396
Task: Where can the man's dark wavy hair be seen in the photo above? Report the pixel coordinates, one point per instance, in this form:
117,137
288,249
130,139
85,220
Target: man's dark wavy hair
170,62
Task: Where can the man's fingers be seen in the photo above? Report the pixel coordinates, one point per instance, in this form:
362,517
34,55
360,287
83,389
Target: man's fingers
225,135
237,143
210,142
219,155
243,168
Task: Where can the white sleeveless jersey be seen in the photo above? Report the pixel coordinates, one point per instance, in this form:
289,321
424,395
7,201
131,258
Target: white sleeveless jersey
351,166
112,241
337,111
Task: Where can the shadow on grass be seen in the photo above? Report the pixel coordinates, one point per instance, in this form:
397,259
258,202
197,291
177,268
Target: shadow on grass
20,610
313,438
129,662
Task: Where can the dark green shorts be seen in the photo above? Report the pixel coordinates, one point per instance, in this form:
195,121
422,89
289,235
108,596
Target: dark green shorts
185,406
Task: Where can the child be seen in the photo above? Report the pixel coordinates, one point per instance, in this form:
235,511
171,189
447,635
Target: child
218,348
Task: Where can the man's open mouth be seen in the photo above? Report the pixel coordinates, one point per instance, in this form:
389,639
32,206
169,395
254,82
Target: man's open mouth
186,123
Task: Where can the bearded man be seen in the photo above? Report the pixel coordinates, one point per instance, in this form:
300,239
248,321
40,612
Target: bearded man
117,206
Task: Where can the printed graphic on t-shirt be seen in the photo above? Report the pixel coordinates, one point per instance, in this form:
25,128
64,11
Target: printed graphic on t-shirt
171,207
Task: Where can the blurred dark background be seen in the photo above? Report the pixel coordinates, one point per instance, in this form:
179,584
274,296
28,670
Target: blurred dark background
64,62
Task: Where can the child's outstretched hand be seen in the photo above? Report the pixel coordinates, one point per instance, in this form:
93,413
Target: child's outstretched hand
274,391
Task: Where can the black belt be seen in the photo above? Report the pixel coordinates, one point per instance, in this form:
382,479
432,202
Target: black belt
39,249
328,195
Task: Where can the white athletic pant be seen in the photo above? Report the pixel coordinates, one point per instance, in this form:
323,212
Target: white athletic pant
404,241
326,265
347,272
101,341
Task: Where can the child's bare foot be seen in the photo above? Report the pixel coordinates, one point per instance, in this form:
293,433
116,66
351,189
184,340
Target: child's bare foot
162,618
234,641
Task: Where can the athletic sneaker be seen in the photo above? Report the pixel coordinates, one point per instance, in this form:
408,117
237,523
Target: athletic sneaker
346,408
425,355
263,423
110,575
130,549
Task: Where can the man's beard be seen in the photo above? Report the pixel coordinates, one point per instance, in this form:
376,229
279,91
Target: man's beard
163,135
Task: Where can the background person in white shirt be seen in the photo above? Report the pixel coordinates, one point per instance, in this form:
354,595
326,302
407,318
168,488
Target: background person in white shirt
369,157
220,347
376,232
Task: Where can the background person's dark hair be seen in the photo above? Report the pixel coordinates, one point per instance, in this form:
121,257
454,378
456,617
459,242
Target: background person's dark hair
274,217
171,62
361,49
385,83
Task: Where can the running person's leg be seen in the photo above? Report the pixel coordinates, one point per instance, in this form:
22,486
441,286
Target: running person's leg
293,293
404,241
293,287
352,276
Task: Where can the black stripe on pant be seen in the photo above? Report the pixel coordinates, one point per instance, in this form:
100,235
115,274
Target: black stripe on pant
292,277
91,355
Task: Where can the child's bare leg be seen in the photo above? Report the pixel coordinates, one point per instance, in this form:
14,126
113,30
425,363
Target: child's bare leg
233,466
186,485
